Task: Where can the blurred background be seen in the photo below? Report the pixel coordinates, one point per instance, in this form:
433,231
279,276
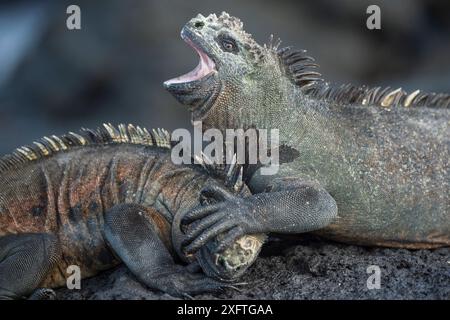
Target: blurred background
54,80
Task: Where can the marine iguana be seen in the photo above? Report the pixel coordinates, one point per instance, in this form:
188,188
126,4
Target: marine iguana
381,154
106,196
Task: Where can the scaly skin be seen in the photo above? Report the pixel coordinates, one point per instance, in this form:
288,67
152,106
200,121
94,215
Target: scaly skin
95,205
381,155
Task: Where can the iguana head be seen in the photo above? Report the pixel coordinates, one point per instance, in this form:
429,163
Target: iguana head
232,67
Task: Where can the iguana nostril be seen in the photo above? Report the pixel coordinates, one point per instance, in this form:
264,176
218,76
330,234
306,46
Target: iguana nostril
199,24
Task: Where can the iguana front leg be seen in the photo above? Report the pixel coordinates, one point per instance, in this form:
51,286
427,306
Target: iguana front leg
135,240
25,260
287,205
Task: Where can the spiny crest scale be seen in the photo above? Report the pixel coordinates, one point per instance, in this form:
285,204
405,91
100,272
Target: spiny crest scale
107,134
300,69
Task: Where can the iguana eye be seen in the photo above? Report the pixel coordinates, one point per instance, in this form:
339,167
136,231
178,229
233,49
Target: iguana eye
228,44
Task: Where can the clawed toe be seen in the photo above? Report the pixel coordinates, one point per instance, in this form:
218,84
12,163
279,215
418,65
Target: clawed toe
43,294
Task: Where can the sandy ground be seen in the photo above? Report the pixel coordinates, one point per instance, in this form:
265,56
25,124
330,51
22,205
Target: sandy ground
307,269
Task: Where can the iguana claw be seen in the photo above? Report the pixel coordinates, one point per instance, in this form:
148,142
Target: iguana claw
234,218
43,294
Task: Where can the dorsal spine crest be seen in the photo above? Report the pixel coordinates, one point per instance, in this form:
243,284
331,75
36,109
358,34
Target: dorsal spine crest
107,134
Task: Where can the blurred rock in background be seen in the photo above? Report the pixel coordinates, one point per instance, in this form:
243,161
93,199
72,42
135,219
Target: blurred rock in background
53,80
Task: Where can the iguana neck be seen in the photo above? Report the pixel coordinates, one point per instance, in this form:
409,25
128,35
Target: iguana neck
280,104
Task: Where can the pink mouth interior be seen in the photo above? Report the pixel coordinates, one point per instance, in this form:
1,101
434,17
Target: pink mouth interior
204,67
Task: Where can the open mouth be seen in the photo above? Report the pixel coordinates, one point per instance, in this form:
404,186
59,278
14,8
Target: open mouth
205,66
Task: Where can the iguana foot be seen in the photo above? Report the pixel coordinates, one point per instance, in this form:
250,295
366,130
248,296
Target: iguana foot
233,216
181,282
43,294
209,221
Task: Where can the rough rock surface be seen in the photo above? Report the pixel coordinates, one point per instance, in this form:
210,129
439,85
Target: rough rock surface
307,269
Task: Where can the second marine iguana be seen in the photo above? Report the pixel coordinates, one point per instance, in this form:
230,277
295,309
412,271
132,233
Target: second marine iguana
381,154
104,196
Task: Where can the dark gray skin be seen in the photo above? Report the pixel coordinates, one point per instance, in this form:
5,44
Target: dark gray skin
97,199
381,155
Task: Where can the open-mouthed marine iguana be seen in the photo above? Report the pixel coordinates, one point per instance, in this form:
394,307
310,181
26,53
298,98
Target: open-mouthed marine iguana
101,197
382,154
